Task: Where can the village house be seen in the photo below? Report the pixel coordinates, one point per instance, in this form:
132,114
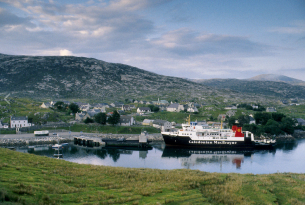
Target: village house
19,122
99,107
231,107
160,102
192,109
230,113
84,107
52,103
143,102
251,120
255,106
300,121
81,116
45,105
143,110
117,104
164,125
126,108
221,117
270,109
127,120
175,107
3,125
148,122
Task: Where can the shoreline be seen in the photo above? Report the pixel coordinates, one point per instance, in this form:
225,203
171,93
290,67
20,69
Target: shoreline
30,139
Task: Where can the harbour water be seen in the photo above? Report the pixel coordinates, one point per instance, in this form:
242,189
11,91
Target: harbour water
285,158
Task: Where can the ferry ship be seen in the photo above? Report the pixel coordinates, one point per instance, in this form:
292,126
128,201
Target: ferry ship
198,136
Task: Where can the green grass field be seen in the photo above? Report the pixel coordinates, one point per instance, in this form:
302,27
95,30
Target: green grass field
30,179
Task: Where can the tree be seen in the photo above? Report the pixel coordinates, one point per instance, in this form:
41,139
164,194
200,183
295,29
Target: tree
243,119
231,121
114,118
255,129
61,106
262,117
154,108
88,120
100,118
287,125
74,108
272,127
278,116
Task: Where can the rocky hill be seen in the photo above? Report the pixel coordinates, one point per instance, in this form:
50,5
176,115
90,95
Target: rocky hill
68,77
275,89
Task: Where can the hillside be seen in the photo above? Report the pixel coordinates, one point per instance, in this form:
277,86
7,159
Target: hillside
71,77
68,77
267,88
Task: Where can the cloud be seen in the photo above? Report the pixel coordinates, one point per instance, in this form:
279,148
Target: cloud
296,27
65,52
92,28
185,42
9,19
132,5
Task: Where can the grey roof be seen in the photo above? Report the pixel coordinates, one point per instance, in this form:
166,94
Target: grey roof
91,113
144,108
19,118
125,119
174,105
159,122
251,118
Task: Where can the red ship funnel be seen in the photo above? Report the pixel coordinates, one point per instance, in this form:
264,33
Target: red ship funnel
238,132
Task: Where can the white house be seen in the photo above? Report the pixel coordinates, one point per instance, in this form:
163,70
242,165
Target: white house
19,122
126,107
175,107
142,110
192,109
127,121
45,105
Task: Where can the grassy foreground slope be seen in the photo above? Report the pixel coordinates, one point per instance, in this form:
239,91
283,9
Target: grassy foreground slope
31,179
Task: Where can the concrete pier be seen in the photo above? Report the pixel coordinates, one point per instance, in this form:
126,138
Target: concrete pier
88,141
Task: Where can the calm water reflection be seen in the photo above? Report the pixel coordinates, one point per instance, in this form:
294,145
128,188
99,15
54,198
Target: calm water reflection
285,158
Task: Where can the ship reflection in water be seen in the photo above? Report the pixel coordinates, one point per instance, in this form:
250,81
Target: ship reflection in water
190,157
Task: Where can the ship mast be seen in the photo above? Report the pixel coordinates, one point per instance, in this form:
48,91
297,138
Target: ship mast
222,118
189,120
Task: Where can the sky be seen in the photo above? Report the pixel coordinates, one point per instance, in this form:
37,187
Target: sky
197,39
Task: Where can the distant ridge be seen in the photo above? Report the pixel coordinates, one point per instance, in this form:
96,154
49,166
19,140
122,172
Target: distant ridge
277,78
